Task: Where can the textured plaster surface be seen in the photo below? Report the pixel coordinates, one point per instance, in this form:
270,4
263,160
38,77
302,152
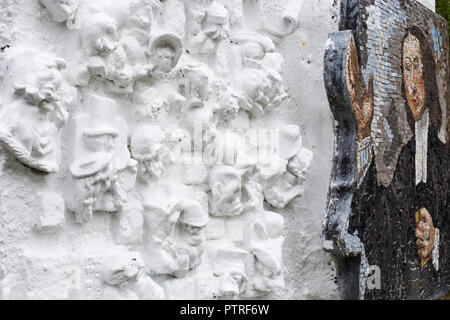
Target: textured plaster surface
309,271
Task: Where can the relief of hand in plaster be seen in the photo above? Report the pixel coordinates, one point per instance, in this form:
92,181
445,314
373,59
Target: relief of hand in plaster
362,98
125,279
260,80
32,120
263,239
427,238
284,183
63,11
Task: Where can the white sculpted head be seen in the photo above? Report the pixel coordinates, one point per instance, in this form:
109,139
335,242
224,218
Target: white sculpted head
37,110
216,22
230,267
61,10
263,238
122,269
196,82
99,35
254,47
147,145
141,14
226,191
153,103
193,217
37,77
166,50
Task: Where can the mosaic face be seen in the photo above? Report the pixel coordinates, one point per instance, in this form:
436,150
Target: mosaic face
361,98
413,76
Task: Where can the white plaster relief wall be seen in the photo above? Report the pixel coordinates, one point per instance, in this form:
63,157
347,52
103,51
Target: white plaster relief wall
310,271
47,253
431,4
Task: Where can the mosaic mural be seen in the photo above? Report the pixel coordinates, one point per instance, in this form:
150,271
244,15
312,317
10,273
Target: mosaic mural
387,76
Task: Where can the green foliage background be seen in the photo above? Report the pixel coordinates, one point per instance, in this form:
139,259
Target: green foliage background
443,8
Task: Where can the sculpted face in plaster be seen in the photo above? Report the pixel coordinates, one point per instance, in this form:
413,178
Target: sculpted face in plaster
263,238
165,52
130,56
196,81
147,147
99,39
209,29
226,191
230,267
216,23
124,275
195,21
176,236
190,238
141,14
163,58
62,10
98,172
38,109
228,106
154,103
121,62
102,170
413,77
260,78
282,184
122,270
99,35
